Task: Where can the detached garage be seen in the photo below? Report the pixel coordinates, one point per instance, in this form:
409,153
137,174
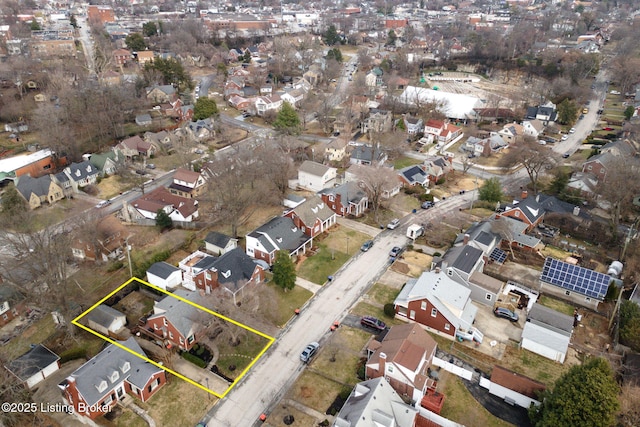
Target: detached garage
164,275
547,333
35,365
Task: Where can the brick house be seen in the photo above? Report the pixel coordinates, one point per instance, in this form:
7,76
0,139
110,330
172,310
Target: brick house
280,233
313,216
96,387
610,154
11,303
347,199
439,304
121,56
187,183
403,358
174,321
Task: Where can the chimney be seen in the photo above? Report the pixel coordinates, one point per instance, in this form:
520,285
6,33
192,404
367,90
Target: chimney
437,270
382,363
576,210
524,194
466,239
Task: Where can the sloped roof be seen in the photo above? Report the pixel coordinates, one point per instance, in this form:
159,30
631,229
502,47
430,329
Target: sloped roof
160,198
349,192
516,382
182,315
463,258
82,170
99,159
550,318
38,186
162,269
136,143
367,153
218,239
406,345
104,315
314,168
112,359
375,403
235,268
186,175
32,362
311,209
280,233
414,175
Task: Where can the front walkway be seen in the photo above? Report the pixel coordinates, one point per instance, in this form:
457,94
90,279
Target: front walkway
359,226
310,286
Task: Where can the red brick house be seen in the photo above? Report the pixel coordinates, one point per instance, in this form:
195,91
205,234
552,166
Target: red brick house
233,271
608,158
347,199
174,321
107,243
403,358
96,387
527,210
313,216
442,130
11,303
121,56
439,304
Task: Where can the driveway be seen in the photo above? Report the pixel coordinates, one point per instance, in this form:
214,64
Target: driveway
496,328
203,377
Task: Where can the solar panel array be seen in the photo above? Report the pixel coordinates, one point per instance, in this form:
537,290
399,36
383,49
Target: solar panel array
498,255
575,278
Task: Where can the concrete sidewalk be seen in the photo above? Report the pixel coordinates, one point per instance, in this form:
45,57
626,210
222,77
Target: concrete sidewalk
310,286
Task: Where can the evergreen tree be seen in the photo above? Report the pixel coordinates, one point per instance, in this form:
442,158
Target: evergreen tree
73,21
491,191
150,29
287,120
172,72
135,42
204,108
585,396
331,36
163,220
567,111
12,203
284,272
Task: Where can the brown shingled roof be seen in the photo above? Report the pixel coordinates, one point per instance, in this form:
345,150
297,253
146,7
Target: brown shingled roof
516,382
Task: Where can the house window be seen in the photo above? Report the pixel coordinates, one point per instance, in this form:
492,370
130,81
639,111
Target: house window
434,312
402,311
423,305
587,299
412,314
589,167
181,340
108,400
164,320
517,213
154,384
170,335
447,326
488,297
331,198
390,369
5,317
155,326
567,293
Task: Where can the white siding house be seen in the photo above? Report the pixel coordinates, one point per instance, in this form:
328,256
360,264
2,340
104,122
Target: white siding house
316,176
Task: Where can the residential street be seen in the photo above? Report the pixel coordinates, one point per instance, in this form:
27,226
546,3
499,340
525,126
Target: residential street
272,376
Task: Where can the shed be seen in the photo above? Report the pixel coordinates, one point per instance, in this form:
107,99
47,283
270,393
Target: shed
219,244
164,275
547,333
106,320
35,365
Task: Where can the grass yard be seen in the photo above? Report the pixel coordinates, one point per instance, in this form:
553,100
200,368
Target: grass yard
130,419
403,162
322,264
276,418
241,355
178,403
557,305
382,294
35,333
338,359
367,309
134,306
460,406
532,365
287,302
314,391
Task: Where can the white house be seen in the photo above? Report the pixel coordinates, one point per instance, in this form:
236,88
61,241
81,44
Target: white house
265,104
218,243
316,176
547,333
106,320
164,275
34,366
533,128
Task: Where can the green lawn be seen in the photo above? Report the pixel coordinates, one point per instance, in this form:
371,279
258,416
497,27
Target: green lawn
130,419
287,302
241,355
177,403
314,391
403,162
382,294
557,305
323,263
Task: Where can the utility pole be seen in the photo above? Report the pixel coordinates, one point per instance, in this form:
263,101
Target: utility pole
129,256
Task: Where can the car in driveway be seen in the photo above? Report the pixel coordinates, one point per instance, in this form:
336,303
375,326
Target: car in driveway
373,323
393,224
395,251
566,155
366,245
505,313
426,205
309,351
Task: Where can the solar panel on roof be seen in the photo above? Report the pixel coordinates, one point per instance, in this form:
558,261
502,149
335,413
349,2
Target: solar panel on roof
575,278
498,255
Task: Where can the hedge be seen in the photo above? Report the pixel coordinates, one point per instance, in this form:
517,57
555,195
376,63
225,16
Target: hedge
73,354
194,359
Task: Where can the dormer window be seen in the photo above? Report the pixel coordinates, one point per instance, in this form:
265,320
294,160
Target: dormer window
114,376
102,386
226,274
125,367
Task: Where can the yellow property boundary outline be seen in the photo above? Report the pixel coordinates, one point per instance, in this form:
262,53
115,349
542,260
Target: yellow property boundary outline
213,313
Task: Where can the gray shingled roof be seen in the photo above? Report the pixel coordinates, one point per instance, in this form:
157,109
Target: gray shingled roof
550,318
38,186
104,364
465,257
162,269
32,362
181,315
82,170
280,234
217,239
349,192
313,168
313,208
235,268
104,315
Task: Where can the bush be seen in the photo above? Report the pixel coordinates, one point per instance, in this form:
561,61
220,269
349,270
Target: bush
435,254
440,181
114,266
73,354
389,310
414,190
194,359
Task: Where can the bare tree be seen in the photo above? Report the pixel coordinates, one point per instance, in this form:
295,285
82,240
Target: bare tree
502,226
618,188
377,182
535,158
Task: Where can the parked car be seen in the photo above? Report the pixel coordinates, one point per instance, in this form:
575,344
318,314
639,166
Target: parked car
151,166
393,224
141,172
572,130
566,155
103,204
373,323
366,245
309,351
395,251
426,205
564,137
506,314
607,128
